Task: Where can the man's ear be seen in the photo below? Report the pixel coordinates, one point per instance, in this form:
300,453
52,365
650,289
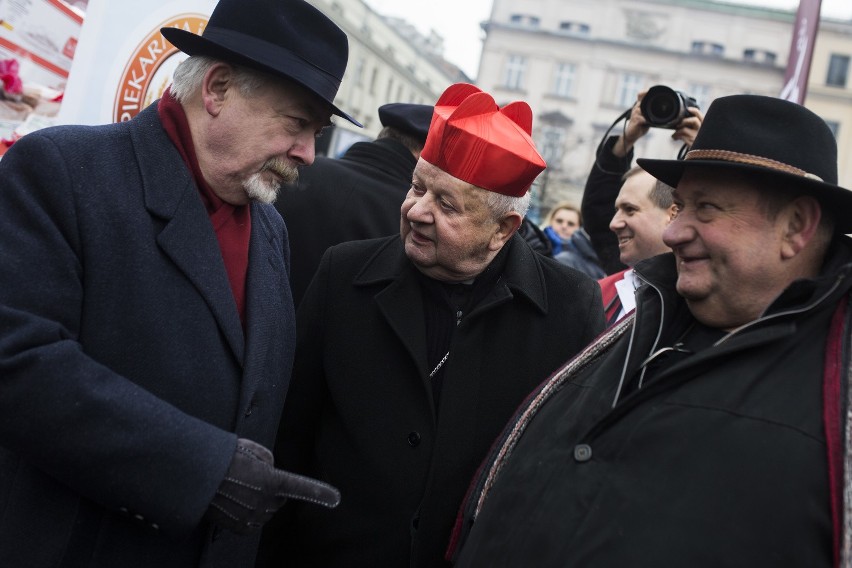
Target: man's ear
672,211
214,87
506,227
800,220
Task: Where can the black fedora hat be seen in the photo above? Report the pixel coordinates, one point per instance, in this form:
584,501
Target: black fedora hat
288,38
781,140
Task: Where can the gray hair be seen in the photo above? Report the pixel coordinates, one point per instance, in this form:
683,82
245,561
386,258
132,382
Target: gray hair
500,204
190,73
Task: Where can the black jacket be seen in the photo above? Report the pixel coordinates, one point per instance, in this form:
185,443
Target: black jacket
336,200
360,413
719,460
598,205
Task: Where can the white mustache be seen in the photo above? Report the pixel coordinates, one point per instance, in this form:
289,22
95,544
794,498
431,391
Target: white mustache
288,172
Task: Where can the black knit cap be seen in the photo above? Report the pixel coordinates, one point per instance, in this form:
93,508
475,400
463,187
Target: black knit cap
287,38
783,141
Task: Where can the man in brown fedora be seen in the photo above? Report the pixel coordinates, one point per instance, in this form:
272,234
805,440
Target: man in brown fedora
147,324
708,428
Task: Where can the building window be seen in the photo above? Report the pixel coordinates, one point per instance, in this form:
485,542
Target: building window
359,71
574,28
760,56
834,126
701,94
708,48
513,74
629,85
525,20
373,77
838,70
551,143
563,79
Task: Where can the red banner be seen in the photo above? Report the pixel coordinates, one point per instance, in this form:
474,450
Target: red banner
801,51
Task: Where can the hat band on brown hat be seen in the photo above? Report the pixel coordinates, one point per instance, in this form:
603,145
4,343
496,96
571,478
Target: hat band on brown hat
729,156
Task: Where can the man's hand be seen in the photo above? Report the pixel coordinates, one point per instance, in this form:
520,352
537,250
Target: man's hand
253,490
687,129
636,128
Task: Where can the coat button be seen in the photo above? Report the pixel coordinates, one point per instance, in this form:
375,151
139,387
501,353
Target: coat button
582,452
414,439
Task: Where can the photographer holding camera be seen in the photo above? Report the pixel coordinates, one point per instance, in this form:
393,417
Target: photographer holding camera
659,107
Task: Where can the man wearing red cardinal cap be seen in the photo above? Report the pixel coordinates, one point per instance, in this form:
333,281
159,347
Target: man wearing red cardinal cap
413,352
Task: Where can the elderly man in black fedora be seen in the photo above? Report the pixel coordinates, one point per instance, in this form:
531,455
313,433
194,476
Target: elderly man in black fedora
708,429
147,324
355,197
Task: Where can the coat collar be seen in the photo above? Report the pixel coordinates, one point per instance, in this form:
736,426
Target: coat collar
186,235
384,155
522,277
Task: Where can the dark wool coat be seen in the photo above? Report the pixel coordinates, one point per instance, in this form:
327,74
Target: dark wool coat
336,200
360,413
719,460
124,371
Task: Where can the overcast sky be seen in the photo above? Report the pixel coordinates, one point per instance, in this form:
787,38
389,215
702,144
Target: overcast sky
458,21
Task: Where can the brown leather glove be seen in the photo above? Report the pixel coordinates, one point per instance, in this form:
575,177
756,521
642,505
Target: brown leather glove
253,490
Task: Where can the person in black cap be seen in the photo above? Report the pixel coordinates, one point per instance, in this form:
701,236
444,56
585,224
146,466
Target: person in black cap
355,197
147,323
708,429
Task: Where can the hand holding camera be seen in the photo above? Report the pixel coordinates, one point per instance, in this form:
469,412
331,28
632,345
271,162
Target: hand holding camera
660,107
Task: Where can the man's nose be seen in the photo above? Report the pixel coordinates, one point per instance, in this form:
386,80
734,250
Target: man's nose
303,150
678,231
617,222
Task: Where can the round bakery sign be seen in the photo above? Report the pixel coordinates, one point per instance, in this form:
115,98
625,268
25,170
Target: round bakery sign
149,70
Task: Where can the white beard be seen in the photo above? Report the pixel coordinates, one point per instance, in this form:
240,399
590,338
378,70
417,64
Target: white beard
258,189
261,190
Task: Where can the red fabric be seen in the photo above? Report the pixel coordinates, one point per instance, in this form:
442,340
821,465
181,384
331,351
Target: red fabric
609,295
9,76
832,421
232,223
474,140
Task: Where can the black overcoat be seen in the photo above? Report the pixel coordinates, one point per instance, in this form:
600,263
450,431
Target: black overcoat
720,458
124,370
360,412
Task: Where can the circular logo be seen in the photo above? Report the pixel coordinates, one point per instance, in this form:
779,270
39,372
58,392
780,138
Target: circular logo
149,70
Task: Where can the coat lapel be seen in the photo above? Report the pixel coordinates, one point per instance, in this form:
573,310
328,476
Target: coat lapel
187,237
268,306
400,302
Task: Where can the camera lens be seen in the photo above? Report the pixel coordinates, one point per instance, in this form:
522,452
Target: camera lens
661,106
662,109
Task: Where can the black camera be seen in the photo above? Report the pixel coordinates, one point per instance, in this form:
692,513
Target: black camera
664,107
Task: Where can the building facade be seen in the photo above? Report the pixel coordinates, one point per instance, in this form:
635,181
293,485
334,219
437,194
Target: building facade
581,63
389,61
